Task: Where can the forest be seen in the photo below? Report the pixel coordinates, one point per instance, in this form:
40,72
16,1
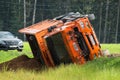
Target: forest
17,14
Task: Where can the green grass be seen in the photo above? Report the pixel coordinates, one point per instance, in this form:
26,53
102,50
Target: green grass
113,48
98,69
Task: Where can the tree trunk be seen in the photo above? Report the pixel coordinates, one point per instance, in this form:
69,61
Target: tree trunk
100,20
24,17
34,12
106,22
118,13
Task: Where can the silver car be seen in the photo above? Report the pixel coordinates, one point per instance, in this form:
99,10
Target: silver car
9,42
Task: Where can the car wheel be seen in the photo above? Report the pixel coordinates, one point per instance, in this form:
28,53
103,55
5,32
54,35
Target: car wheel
20,50
6,50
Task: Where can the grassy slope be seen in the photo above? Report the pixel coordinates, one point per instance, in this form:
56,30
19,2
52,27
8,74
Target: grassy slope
99,69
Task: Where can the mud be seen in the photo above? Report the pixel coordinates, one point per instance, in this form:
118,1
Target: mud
114,55
21,62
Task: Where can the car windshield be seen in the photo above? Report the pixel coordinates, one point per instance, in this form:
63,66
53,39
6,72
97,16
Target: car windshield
6,35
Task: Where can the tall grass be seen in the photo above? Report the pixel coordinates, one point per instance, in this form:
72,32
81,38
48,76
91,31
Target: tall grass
98,69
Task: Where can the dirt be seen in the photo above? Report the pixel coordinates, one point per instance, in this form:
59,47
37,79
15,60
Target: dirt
114,55
106,53
21,62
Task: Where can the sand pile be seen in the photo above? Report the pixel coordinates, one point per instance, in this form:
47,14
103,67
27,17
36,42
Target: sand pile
21,62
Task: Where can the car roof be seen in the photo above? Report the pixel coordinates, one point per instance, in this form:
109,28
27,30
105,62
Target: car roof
5,32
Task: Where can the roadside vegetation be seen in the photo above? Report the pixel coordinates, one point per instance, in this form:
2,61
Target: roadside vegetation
98,69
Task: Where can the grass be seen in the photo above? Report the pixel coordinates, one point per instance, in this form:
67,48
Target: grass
98,69
113,48
109,70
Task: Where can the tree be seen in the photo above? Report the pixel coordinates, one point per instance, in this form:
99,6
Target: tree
118,13
13,12
34,11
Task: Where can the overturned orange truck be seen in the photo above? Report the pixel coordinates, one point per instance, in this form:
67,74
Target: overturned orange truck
69,38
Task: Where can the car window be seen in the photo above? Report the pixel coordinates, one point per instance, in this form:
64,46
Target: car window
6,35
